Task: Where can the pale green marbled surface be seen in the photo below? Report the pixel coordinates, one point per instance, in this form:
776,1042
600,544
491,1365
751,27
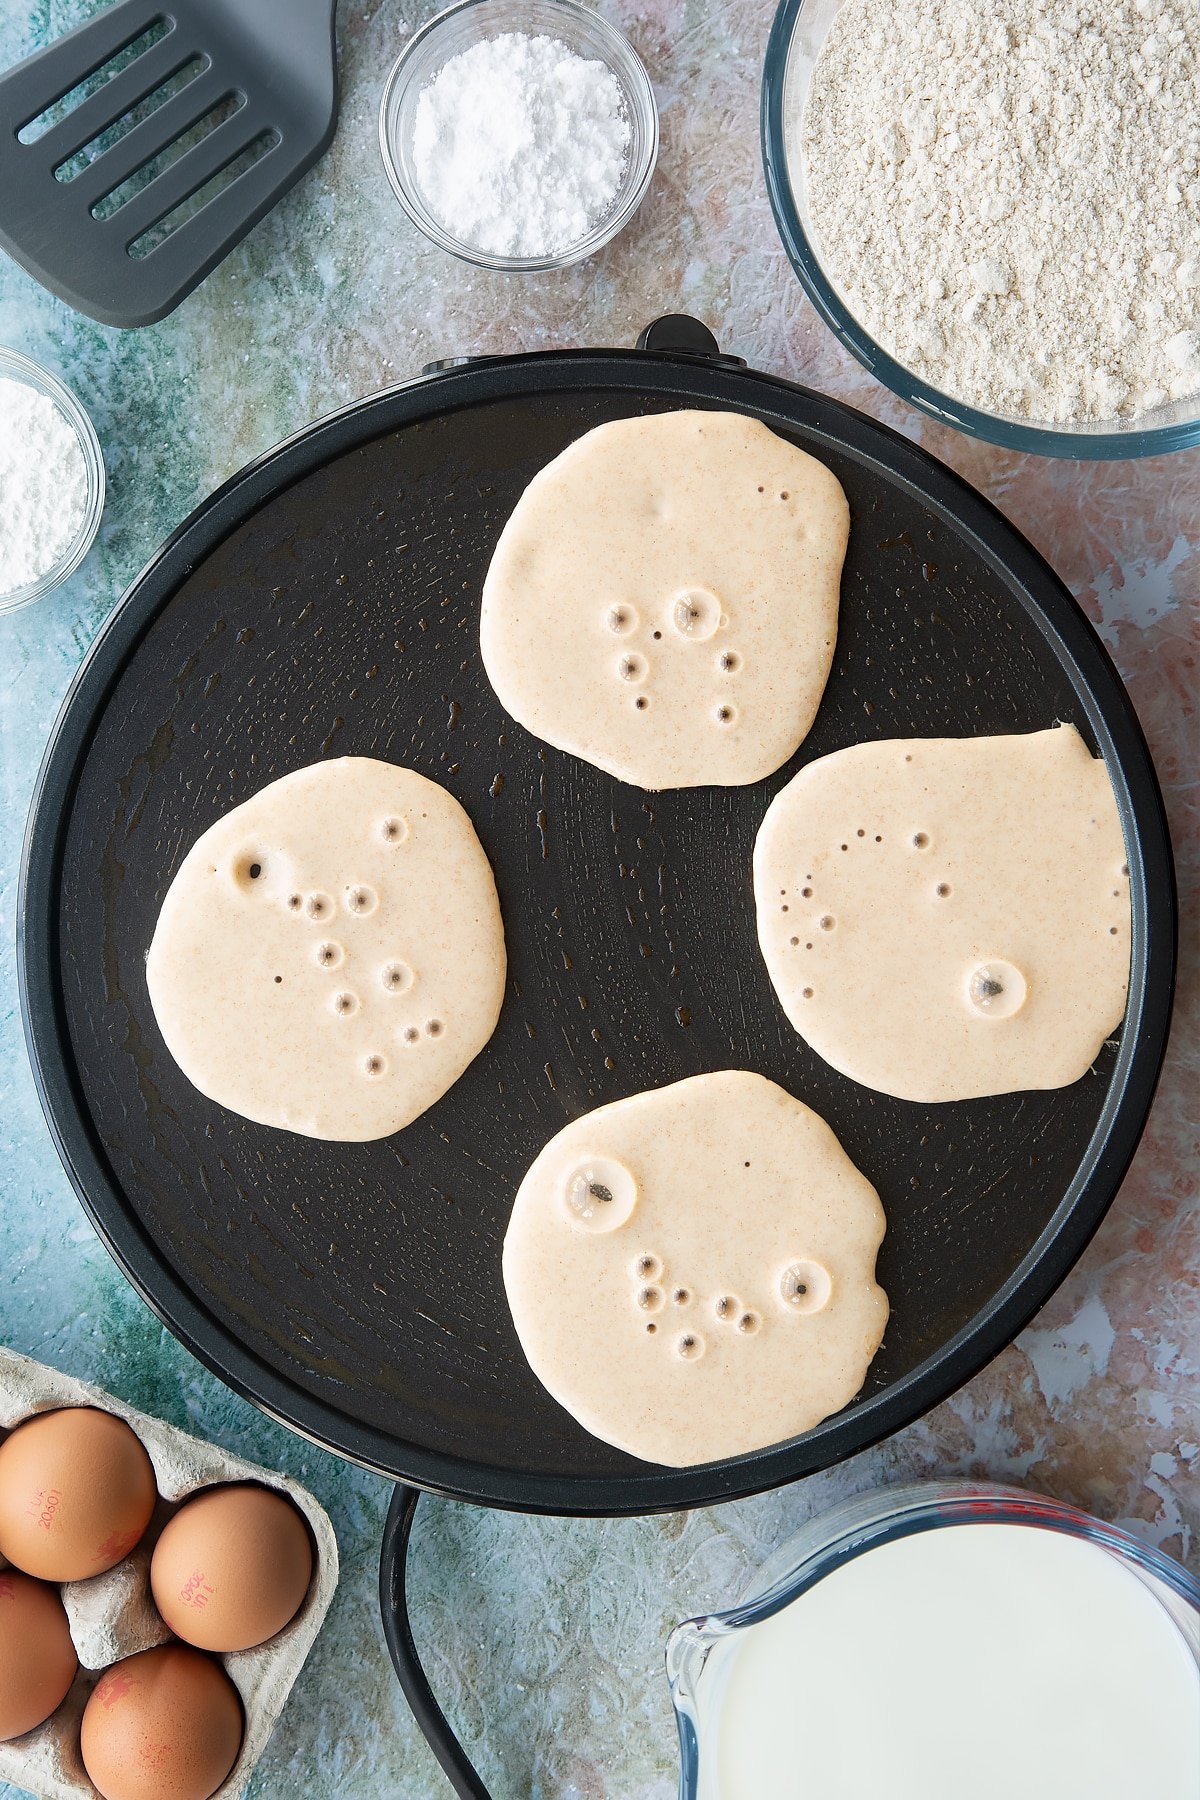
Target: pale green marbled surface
547,1635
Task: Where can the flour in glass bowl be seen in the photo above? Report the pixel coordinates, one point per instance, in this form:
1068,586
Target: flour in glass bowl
43,485
1006,194
520,145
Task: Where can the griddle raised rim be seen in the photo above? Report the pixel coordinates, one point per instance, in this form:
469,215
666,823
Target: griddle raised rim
1135,1075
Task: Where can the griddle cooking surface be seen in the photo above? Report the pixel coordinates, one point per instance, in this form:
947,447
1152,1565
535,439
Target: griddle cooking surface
355,1288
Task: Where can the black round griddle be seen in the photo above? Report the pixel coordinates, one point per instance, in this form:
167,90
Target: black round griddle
325,602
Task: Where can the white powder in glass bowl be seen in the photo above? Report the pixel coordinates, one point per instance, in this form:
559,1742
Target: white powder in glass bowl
1006,194
520,144
43,484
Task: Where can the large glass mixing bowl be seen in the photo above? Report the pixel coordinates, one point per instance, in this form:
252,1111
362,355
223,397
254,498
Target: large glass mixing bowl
796,38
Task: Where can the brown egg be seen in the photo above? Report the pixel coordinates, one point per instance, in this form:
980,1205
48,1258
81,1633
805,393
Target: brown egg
37,1657
163,1725
231,1567
76,1493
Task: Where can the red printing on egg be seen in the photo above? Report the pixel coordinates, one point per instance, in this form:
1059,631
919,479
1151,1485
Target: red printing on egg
117,1545
43,1505
115,1685
196,1591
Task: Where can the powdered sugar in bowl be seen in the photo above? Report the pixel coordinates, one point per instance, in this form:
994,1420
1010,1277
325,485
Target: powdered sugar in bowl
51,482
555,162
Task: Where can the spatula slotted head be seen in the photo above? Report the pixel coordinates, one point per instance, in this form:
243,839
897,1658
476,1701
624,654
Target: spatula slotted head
137,150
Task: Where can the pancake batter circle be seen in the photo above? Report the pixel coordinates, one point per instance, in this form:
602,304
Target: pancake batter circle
330,955
949,918
663,601
732,1305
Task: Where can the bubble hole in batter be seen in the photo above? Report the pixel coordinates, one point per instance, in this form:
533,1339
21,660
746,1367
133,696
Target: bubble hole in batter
345,1004
805,1286
249,869
361,900
329,955
621,619
396,977
696,614
632,667
996,989
650,1298
393,830
749,1323
599,1195
648,1267
374,1065
690,1346
318,906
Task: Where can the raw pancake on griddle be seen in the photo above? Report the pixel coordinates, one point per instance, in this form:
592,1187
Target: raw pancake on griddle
330,955
691,1271
663,601
947,918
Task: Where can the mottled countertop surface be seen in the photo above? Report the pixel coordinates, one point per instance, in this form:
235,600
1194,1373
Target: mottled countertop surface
546,1636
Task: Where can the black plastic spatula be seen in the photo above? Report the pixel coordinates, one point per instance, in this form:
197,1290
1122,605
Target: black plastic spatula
189,122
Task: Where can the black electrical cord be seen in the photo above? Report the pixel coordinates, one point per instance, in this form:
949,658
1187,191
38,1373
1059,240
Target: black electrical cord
393,1602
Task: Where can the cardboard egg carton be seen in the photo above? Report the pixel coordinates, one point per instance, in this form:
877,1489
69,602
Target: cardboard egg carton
113,1615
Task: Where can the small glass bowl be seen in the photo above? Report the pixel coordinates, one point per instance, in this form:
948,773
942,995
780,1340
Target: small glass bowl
15,367
797,35
470,22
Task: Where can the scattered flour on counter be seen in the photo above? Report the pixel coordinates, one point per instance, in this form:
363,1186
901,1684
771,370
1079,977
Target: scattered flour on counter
1006,193
43,484
520,145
